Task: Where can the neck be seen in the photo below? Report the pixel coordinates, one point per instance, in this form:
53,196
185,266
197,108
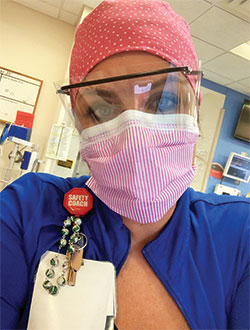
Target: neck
141,234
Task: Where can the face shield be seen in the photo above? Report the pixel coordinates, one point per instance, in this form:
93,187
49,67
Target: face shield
160,93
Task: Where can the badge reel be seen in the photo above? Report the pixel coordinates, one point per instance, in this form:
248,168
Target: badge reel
78,202
59,296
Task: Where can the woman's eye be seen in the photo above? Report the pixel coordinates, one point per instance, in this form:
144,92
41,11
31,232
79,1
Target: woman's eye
103,112
167,103
162,103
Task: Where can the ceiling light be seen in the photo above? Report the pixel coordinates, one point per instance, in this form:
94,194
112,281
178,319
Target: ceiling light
242,50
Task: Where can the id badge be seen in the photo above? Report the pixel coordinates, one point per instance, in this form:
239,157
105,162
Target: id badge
89,305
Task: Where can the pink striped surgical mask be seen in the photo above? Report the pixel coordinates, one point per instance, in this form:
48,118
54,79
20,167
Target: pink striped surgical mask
140,163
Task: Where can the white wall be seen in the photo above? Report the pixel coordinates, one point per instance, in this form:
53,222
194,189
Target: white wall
211,115
39,46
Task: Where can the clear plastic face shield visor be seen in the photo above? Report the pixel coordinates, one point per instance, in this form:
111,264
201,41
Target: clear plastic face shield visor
162,92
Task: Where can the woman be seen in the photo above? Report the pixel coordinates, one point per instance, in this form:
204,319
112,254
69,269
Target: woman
180,256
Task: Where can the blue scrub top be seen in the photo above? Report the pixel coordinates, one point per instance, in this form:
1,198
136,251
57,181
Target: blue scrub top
201,256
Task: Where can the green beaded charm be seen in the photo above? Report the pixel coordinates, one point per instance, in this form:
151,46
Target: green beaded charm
67,222
53,290
54,262
65,232
50,273
61,281
71,245
74,238
47,284
76,228
71,249
63,242
78,221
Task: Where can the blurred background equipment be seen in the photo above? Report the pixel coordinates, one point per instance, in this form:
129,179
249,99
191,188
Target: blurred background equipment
19,138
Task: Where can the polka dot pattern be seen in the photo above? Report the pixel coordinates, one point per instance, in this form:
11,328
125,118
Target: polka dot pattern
116,26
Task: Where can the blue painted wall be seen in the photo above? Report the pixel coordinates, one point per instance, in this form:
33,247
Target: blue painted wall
227,142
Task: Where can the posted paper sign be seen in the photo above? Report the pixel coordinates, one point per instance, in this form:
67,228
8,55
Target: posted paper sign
59,142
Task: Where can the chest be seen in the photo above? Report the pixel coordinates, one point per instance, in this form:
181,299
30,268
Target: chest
142,300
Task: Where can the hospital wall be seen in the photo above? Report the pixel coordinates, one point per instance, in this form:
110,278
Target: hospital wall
227,142
36,45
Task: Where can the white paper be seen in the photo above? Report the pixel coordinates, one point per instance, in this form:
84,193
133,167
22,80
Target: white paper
83,306
54,140
17,92
65,142
59,142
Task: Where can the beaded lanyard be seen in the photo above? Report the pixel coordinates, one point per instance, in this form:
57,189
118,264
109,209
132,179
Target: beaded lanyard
77,201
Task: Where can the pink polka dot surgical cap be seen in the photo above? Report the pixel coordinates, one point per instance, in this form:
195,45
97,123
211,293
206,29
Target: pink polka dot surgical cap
130,25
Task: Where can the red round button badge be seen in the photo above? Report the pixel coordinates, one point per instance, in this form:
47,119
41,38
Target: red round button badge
78,201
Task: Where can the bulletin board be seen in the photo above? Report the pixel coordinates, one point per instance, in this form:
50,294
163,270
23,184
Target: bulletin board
18,92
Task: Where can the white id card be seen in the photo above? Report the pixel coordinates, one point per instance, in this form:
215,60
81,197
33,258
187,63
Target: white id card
89,305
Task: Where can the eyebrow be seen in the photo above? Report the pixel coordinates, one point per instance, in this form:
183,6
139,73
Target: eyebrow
107,93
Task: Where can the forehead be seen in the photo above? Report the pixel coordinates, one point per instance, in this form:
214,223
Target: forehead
126,63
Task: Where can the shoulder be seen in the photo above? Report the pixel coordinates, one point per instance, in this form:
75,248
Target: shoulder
226,217
220,225
35,194
40,182
32,209
223,223
45,178
220,210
